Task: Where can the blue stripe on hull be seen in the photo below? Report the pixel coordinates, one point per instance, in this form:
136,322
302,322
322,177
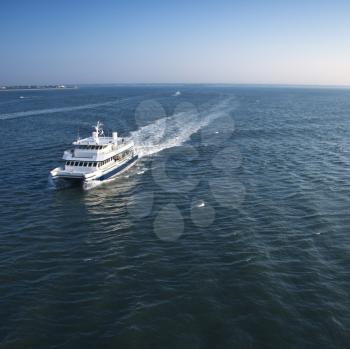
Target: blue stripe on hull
117,170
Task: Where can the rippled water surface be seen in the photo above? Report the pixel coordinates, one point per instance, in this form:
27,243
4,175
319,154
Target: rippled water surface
232,231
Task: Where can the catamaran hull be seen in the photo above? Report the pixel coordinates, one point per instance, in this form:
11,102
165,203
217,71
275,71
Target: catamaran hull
63,181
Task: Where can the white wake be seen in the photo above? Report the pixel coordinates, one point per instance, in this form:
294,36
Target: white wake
174,130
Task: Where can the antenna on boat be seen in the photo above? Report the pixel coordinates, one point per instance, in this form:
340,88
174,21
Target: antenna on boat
98,131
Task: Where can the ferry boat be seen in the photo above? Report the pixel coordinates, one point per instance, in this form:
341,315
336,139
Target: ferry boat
94,160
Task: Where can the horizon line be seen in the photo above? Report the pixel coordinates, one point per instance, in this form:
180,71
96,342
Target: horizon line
183,84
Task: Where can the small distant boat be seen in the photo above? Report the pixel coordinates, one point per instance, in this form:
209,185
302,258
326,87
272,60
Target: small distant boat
177,93
94,160
21,97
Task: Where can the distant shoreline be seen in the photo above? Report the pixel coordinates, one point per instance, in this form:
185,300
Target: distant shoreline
39,88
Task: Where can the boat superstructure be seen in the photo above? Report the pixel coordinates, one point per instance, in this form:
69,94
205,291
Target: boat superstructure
95,159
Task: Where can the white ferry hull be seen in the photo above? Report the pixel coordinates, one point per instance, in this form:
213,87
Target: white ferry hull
61,179
110,175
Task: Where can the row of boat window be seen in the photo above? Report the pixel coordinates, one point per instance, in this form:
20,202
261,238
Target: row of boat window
100,163
81,163
95,147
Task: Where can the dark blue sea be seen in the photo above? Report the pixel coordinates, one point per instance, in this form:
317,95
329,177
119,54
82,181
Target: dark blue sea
232,231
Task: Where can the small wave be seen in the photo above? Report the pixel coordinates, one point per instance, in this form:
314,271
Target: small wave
200,203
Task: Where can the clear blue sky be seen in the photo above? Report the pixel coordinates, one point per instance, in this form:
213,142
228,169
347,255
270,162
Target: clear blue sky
251,41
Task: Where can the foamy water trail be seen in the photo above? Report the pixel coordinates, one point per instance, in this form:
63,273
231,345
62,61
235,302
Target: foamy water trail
174,130
56,110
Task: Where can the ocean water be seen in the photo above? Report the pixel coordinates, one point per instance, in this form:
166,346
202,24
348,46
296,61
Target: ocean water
232,231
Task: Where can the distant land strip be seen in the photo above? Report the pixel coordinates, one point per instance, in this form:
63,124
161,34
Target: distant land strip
36,87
